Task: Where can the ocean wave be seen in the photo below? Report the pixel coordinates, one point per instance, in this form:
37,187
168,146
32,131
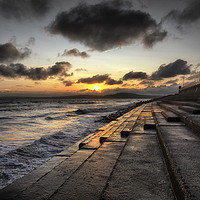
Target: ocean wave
15,109
102,109
82,102
60,117
24,159
2,118
44,115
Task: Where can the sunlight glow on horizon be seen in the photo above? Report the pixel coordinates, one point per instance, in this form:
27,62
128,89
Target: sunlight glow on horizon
96,88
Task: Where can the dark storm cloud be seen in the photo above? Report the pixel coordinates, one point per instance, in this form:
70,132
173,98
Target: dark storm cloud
150,39
23,9
75,52
68,83
107,25
100,79
95,79
171,70
59,68
9,53
191,13
111,81
135,75
39,73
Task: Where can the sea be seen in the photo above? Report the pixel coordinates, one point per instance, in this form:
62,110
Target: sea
33,130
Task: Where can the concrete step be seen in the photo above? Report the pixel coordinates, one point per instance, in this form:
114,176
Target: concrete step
127,129
190,109
131,122
101,135
170,116
44,181
140,172
89,181
162,120
190,120
124,123
181,149
183,103
149,124
183,97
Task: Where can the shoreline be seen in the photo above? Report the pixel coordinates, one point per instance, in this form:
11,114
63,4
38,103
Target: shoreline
26,154
120,112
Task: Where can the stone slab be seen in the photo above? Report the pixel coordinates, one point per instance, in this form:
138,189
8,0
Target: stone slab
140,172
103,128
93,142
71,150
190,120
170,116
139,127
185,103
100,136
127,129
184,147
116,136
149,124
162,121
20,185
45,187
190,109
90,179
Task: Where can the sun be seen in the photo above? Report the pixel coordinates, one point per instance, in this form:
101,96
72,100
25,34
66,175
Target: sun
96,88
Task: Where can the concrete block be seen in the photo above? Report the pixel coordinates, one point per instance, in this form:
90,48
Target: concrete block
149,124
170,117
47,185
91,140
89,181
103,139
20,185
127,129
162,121
116,137
191,110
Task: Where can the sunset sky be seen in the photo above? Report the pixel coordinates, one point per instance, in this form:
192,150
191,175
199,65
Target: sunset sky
65,47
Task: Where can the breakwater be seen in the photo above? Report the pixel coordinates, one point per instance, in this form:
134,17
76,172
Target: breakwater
151,152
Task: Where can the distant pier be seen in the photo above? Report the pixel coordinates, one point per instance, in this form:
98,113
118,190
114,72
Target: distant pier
151,152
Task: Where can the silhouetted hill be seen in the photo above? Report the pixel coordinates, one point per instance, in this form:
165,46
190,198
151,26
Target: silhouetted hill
89,96
127,95
112,96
